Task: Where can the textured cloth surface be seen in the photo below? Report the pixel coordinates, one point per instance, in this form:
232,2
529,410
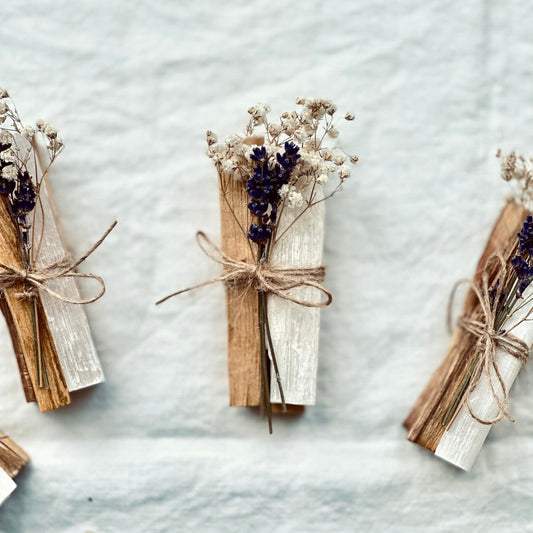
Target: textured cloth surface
436,88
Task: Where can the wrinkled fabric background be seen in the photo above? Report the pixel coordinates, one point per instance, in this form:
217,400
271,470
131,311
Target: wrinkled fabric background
436,88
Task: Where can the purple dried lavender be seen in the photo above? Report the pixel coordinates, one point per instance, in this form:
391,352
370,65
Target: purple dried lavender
524,266
524,272
525,237
264,185
23,198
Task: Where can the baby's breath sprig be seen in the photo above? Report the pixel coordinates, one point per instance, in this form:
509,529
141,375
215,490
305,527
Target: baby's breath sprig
286,164
320,170
20,182
519,171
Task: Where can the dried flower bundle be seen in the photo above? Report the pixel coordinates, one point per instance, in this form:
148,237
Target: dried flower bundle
470,391
51,337
273,181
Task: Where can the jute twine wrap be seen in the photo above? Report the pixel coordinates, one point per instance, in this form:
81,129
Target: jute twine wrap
260,277
35,278
489,340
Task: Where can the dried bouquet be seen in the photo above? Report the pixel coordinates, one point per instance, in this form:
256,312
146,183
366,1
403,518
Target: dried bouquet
469,392
273,182
51,337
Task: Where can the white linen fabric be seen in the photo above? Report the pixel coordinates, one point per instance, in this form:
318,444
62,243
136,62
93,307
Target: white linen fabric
436,88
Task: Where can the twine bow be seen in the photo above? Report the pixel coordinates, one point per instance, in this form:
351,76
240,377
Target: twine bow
34,279
261,277
489,340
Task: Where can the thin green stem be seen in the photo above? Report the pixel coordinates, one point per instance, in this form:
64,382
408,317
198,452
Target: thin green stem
266,406
273,355
450,413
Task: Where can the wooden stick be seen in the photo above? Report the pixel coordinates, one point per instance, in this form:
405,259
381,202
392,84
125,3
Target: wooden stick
27,385
241,305
12,457
12,460
425,420
17,312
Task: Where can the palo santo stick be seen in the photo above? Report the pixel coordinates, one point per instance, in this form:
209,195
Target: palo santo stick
12,457
295,328
425,420
241,304
17,312
25,378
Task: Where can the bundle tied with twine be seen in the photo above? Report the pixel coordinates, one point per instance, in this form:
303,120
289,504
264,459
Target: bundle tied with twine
260,277
34,279
490,338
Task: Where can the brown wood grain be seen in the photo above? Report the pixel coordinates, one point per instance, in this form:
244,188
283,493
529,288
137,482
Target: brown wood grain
241,304
424,421
12,457
17,312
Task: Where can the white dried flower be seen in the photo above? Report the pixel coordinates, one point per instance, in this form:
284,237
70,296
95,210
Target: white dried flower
259,112
228,166
330,107
337,156
40,124
333,132
315,107
349,116
300,100
322,179
326,154
10,172
275,129
217,152
211,138
289,126
509,166
284,191
8,156
354,159
50,131
28,132
3,93
344,171
233,140
310,162
295,199
5,137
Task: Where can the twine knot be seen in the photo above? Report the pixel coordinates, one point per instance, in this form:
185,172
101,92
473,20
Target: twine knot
34,279
260,276
490,339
